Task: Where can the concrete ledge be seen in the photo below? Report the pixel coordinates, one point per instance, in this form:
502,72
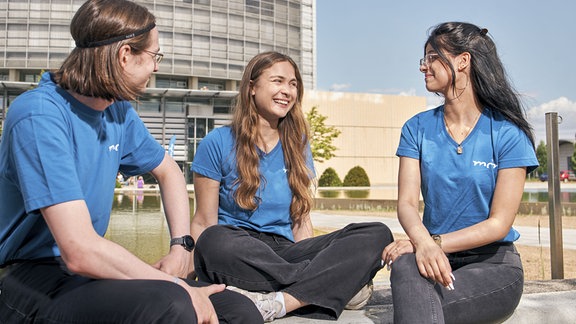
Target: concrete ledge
552,307
543,301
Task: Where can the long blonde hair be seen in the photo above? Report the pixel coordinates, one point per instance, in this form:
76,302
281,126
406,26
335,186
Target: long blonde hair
293,132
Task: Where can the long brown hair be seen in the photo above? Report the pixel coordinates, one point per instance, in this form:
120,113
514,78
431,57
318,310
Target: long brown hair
95,71
294,135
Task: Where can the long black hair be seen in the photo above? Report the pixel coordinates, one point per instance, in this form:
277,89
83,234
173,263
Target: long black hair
488,77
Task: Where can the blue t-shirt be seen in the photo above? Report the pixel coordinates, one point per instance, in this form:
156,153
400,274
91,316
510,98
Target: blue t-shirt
55,149
458,188
216,159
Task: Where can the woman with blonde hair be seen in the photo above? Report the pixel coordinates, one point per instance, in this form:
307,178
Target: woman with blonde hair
254,179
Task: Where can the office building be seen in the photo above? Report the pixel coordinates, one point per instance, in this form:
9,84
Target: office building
206,44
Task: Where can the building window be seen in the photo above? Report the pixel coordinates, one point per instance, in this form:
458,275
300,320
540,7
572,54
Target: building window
253,6
30,76
171,82
149,105
222,106
211,84
174,106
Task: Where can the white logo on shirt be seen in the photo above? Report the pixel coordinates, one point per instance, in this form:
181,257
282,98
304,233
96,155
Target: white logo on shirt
113,147
484,164
285,170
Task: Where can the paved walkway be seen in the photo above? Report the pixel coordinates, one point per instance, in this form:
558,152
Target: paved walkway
531,236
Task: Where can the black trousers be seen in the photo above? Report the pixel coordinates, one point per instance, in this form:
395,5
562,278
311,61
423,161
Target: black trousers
324,271
488,286
44,291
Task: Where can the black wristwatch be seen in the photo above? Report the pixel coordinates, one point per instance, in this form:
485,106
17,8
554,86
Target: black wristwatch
186,241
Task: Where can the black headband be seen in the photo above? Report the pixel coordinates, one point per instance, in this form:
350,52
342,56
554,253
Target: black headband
117,38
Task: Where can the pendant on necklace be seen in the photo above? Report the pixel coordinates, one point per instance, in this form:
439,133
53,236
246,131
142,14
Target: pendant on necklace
459,149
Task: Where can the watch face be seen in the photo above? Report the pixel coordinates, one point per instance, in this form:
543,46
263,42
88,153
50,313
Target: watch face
188,242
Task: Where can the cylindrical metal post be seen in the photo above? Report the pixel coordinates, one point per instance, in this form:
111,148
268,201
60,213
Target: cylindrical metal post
554,205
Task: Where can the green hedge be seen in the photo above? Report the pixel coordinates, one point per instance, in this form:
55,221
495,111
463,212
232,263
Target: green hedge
329,178
356,177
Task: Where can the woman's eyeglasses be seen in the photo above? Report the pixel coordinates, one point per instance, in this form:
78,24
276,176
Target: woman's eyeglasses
428,59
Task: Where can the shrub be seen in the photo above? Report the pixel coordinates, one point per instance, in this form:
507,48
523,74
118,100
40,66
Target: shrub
356,177
329,178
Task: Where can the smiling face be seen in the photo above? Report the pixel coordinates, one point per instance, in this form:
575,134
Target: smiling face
275,92
437,74
446,76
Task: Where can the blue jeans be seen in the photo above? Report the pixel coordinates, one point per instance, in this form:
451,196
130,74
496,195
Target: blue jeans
488,286
324,271
44,291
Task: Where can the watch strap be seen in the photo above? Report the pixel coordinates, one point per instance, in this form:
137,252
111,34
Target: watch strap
177,241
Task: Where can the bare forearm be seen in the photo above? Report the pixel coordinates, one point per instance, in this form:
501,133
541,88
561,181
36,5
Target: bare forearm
200,223
486,232
104,259
176,206
174,197
303,230
411,222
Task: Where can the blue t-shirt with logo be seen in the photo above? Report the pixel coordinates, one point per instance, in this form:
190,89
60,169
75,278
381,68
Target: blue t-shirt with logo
216,159
55,149
458,188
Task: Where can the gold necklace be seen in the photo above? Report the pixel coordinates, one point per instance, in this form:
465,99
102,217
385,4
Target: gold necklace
459,149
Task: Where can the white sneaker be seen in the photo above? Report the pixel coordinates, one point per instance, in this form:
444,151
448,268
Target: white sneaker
266,303
361,298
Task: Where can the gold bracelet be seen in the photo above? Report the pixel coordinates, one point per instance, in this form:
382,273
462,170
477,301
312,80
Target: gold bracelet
437,239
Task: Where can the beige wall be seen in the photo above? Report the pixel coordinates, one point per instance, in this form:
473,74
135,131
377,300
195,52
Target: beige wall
370,125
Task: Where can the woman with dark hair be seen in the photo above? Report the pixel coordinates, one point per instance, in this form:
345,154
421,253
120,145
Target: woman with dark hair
62,146
469,159
254,179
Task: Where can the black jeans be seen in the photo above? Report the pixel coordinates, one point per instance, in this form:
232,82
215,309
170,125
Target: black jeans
488,286
324,271
44,291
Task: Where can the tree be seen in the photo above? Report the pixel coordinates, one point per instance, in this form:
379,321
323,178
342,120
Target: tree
541,155
329,178
356,177
321,136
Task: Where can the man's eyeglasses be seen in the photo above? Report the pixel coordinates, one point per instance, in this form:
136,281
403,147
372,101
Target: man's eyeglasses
428,59
157,55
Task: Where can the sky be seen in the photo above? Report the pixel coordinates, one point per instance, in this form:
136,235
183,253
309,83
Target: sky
373,46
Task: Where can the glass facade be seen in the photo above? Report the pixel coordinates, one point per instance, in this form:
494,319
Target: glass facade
206,44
